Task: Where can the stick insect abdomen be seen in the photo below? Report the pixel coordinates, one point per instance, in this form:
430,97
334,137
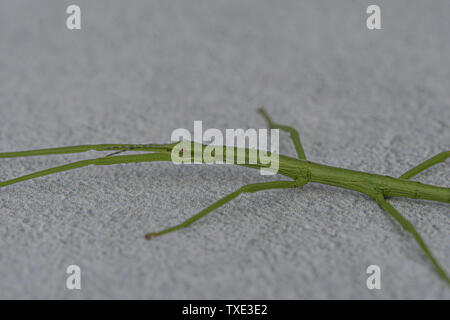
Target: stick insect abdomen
396,187
373,184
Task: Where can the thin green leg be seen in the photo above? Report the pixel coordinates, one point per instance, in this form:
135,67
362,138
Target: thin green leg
293,133
84,148
148,157
441,157
410,228
247,188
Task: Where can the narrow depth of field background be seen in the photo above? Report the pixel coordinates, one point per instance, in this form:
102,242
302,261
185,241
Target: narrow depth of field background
376,101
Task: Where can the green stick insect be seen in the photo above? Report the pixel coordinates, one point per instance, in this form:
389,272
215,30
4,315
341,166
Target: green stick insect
299,170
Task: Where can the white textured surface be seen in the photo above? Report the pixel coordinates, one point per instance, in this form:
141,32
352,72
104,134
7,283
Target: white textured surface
372,101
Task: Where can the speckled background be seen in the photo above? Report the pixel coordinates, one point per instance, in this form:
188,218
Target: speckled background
377,101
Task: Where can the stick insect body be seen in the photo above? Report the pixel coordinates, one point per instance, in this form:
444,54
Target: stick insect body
299,170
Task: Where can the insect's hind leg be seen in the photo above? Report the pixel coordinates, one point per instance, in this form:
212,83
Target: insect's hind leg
247,188
410,228
295,137
441,157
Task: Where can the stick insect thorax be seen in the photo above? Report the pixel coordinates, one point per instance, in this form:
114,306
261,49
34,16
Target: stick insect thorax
299,170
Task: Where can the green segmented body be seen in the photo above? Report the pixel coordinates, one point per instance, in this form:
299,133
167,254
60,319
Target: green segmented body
299,170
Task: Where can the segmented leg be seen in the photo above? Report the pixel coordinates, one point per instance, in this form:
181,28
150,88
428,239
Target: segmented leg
247,188
410,228
441,157
293,133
